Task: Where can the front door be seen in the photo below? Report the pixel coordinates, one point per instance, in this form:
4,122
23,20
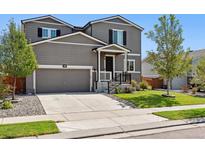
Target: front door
109,64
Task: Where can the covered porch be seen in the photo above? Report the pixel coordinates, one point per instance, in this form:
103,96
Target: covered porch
111,64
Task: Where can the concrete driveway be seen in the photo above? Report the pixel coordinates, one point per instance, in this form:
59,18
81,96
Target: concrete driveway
78,102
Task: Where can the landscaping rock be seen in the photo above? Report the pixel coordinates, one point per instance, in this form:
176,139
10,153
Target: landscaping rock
28,106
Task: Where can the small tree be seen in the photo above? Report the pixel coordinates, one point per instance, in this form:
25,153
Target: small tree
199,78
170,60
16,54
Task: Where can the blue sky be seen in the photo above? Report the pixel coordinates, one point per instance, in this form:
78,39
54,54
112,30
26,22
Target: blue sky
193,25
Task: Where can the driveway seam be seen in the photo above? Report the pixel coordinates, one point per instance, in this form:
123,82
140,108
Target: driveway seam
83,103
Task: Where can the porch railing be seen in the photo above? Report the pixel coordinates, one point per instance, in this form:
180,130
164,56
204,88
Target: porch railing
105,76
123,77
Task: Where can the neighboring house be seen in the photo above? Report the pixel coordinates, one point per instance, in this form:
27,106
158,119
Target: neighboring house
80,59
177,83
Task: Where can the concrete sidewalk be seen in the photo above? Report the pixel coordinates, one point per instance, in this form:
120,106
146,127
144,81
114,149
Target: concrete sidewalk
77,125
96,114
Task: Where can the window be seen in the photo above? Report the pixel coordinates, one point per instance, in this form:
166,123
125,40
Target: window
53,33
131,65
117,37
49,33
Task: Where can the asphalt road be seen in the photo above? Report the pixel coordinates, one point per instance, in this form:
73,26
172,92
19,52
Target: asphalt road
193,133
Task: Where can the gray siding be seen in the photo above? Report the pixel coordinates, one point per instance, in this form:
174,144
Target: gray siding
101,31
29,84
78,39
88,30
50,20
58,54
137,62
31,30
119,63
136,76
117,20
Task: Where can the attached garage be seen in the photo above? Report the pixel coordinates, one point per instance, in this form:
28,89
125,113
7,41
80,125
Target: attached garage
53,80
56,79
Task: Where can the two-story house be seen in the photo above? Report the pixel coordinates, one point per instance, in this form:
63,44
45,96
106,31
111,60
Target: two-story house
80,59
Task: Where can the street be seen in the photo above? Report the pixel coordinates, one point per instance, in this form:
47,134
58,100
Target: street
193,133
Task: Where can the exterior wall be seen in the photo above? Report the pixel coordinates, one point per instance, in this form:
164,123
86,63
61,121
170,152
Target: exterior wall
136,76
117,20
137,62
31,30
119,62
147,70
29,84
101,31
88,30
177,83
58,54
78,39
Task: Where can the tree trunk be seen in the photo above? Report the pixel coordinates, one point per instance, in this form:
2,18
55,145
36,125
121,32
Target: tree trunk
168,86
14,89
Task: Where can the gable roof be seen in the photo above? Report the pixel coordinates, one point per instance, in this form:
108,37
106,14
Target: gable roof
106,47
47,16
113,17
68,35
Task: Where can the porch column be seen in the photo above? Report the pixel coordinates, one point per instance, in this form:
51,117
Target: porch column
125,62
98,66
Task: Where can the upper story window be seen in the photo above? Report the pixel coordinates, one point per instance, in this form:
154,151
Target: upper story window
48,32
131,65
117,36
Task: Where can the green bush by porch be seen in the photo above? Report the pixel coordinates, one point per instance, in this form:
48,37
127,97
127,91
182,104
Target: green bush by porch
182,114
28,129
153,98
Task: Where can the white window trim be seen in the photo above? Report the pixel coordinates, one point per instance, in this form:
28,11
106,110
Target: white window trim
122,35
71,43
49,32
130,60
113,56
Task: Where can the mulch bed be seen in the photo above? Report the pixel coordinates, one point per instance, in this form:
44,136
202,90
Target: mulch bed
28,106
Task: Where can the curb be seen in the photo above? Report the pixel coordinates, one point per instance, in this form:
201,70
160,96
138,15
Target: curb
122,129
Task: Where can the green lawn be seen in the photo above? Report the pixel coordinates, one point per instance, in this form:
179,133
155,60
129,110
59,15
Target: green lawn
28,129
182,114
153,98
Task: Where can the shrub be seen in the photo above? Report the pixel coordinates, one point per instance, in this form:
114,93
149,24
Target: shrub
194,90
118,90
144,85
130,89
149,87
5,90
133,83
185,89
7,105
138,87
